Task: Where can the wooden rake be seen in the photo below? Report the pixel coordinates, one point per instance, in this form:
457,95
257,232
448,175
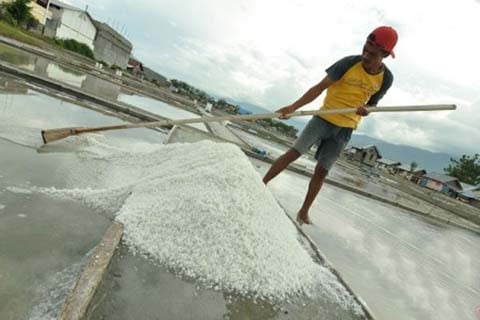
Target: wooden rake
61,133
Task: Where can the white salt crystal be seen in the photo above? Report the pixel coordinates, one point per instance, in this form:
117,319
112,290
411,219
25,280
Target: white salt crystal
202,210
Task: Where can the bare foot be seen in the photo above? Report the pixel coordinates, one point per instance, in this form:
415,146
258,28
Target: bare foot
302,217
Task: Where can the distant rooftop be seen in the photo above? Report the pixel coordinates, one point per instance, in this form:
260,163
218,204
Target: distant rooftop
64,5
441,177
102,26
388,162
407,167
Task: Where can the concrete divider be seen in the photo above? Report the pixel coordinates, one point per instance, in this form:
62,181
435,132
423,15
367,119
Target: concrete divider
76,304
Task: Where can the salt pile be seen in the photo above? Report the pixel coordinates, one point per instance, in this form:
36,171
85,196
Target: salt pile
202,210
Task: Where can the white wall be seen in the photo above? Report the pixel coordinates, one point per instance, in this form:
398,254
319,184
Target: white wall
77,25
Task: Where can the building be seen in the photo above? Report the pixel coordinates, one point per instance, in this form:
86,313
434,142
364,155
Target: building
387,164
136,68
110,46
442,183
470,194
156,77
40,12
405,170
69,22
367,155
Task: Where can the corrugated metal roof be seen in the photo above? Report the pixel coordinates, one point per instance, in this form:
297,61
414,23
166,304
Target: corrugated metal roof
469,187
388,161
64,5
407,167
471,195
368,147
441,177
105,27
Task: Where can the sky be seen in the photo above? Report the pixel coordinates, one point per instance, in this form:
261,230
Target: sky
270,52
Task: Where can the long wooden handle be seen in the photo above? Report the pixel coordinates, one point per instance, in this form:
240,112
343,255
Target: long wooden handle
61,133
249,117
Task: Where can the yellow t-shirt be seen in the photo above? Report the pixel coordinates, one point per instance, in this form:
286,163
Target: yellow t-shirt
353,87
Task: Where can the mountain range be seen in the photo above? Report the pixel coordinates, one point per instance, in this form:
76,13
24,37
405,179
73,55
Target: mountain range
430,161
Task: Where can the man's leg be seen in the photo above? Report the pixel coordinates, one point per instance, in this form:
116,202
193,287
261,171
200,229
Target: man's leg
280,164
314,187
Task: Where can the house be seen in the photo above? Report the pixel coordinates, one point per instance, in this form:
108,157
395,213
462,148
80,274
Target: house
136,68
470,194
69,22
367,155
110,46
442,183
386,164
405,170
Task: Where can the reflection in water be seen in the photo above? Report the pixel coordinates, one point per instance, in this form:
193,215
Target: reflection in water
241,308
90,83
101,87
46,68
161,108
9,86
403,266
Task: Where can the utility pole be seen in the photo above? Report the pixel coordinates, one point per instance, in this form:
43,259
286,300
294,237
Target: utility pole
45,14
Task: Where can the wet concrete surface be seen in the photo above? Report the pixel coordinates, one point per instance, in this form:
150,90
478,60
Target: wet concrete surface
136,288
44,241
41,239
403,266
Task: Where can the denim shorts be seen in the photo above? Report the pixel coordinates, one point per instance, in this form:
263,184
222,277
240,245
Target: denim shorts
330,139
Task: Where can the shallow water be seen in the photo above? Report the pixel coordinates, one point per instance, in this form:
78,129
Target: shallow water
40,237
44,240
403,266
161,108
138,289
46,68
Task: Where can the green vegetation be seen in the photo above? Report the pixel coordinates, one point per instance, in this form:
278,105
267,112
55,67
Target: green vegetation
280,127
18,13
192,92
10,31
413,166
466,169
16,19
75,46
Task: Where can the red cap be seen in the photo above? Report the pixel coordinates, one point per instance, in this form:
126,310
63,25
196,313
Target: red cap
385,38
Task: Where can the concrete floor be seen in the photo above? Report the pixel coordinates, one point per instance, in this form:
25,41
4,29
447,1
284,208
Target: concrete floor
136,288
402,265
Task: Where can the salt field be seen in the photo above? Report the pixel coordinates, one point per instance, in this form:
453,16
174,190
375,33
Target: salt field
161,108
203,238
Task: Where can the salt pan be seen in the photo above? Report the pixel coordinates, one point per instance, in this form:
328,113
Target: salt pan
202,211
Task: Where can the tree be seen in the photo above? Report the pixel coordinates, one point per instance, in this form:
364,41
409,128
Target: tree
19,10
466,169
413,166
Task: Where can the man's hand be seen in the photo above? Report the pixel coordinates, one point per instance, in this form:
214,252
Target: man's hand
284,111
362,111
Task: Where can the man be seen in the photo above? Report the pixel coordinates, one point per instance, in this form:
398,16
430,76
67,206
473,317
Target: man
354,81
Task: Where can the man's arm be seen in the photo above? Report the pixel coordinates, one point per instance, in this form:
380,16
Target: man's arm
308,97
